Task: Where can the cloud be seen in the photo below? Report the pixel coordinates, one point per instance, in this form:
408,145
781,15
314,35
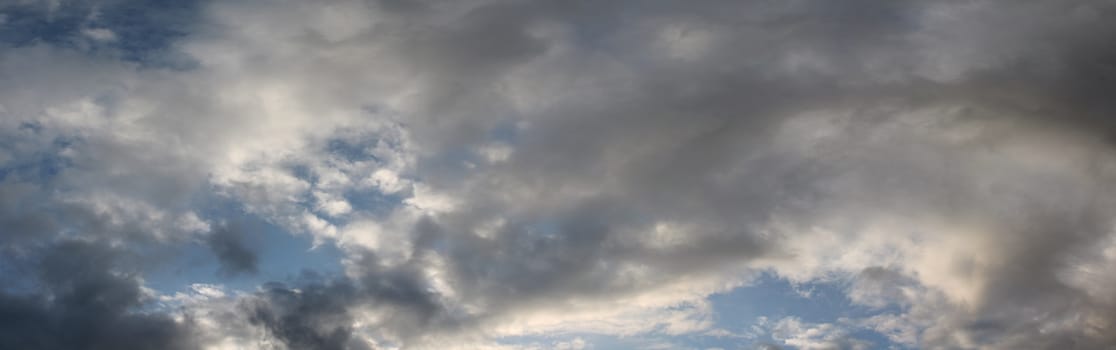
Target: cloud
314,318
84,304
227,243
495,169
792,331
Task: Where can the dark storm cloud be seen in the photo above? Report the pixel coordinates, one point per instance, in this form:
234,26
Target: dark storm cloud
85,305
229,246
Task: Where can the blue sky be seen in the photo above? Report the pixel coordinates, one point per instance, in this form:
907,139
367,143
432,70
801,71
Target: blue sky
492,174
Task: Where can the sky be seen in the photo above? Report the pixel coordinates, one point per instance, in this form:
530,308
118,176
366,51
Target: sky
506,174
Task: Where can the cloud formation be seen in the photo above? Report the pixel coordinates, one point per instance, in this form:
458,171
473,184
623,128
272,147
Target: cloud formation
86,306
499,169
227,244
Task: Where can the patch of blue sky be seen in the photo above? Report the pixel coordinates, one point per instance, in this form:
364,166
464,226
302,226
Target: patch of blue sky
506,131
374,202
15,267
42,165
281,257
773,297
131,30
544,229
41,168
454,163
878,340
776,298
366,201
303,172
31,23
636,341
737,311
353,150
592,341
449,163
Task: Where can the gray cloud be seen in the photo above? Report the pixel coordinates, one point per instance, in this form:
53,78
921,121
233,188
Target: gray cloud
84,305
228,245
561,160
314,317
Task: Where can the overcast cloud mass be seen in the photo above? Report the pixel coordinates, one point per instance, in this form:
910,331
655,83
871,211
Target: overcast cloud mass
395,174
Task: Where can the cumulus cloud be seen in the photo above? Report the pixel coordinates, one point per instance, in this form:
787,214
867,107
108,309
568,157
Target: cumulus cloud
85,304
495,169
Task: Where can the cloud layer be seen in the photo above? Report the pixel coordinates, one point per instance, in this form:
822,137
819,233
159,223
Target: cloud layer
497,169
